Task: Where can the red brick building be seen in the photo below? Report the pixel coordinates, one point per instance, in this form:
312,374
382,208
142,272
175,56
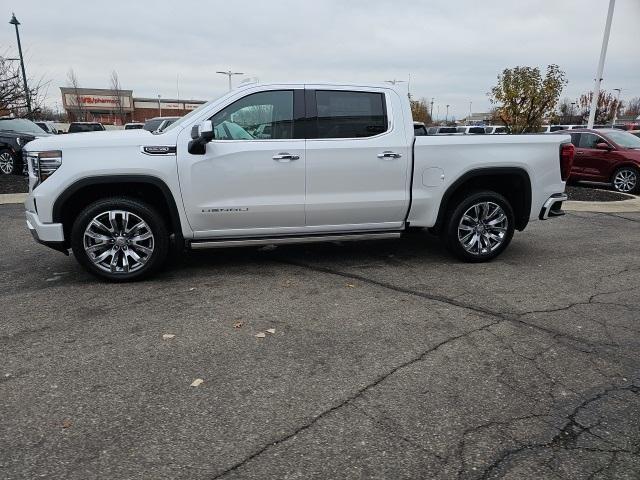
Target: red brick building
110,107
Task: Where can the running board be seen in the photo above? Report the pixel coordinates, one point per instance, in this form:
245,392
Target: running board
248,242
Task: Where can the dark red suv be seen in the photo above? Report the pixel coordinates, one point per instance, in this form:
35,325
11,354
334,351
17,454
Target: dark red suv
606,155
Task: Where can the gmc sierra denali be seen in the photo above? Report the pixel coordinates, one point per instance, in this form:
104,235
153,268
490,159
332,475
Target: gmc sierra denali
286,163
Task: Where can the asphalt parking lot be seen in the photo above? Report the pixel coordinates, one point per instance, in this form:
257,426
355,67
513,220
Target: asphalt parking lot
389,360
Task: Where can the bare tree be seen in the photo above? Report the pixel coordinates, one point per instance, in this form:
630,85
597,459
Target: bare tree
633,107
73,82
117,93
13,98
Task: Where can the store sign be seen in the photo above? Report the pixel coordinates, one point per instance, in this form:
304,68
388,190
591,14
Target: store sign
191,106
103,102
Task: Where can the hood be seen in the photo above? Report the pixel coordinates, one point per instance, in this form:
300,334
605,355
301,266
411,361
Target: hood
107,138
14,134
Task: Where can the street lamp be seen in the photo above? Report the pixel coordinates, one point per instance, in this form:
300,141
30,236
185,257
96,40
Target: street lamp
159,107
14,21
469,119
615,113
229,74
446,115
431,113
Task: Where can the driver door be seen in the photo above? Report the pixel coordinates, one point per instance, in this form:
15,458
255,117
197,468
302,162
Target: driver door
251,179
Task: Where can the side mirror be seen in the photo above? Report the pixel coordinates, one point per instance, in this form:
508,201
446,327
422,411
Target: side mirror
201,135
603,146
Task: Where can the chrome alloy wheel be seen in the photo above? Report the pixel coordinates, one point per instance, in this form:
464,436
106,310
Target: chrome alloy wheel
118,241
625,180
6,163
482,228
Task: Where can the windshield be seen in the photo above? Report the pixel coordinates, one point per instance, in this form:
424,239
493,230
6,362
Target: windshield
20,125
624,139
193,113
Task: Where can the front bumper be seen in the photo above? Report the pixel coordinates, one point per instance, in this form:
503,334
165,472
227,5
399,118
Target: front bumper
553,206
49,234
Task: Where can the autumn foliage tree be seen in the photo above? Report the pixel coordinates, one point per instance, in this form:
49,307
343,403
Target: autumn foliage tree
524,98
605,109
420,110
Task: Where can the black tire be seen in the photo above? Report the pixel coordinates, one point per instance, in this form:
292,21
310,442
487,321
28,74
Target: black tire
483,230
137,210
626,180
8,162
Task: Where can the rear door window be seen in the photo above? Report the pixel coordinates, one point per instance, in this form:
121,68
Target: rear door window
345,114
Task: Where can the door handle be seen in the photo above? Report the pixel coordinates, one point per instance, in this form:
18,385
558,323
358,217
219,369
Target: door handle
285,157
388,154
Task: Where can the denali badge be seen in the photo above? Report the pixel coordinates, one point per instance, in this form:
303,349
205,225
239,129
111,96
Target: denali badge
159,150
222,210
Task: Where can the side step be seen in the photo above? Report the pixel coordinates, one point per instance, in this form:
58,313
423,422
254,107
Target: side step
248,242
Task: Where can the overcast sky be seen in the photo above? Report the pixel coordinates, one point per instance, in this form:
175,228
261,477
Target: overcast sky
453,50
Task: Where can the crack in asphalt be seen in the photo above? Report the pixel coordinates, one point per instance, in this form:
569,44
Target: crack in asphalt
498,316
567,435
351,398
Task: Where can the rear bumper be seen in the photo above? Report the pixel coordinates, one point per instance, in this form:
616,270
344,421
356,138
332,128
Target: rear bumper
553,206
49,234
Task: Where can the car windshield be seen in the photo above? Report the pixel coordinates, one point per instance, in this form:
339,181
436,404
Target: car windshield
20,125
185,118
624,139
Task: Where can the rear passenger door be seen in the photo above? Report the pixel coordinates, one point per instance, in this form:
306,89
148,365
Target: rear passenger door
358,159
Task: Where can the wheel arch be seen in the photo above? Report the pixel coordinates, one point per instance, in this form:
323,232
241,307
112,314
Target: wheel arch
513,183
145,187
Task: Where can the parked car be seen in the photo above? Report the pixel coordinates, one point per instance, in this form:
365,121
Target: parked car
15,133
470,130
133,126
158,124
607,155
345,166
442,131
419,129
635,132
78,127
47,126
496,130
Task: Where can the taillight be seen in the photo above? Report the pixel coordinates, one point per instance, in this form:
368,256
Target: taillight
567,150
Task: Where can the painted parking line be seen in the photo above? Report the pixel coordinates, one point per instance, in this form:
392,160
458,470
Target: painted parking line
6,198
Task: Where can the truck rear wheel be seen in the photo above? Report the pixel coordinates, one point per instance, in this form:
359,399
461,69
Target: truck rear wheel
480,226
120,239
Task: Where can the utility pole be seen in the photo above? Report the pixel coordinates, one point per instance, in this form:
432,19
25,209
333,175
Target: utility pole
603,55
230,74
615,113
14,21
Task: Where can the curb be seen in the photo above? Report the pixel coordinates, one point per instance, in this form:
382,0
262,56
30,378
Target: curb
621,206
7,198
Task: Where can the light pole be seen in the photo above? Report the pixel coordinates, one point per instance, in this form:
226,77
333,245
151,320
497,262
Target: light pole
14,21
446,115
571,112
469,119
230,74
431,113
159,107
615,113
603,54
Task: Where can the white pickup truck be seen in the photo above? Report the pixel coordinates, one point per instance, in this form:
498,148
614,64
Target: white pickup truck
286,163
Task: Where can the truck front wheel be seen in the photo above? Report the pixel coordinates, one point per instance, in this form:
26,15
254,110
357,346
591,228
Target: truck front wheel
120,239
480,226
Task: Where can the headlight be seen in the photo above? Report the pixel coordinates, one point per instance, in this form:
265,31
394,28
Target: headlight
43,164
